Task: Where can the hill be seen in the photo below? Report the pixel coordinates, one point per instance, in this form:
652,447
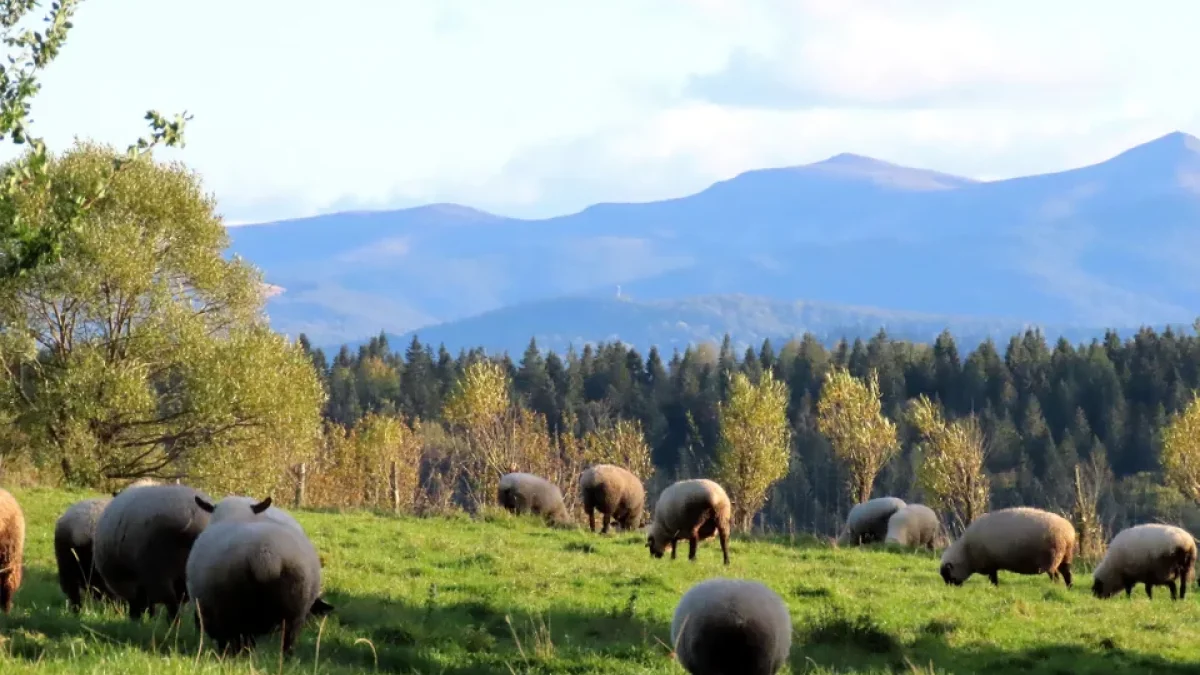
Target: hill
503,595
1103,245
669,324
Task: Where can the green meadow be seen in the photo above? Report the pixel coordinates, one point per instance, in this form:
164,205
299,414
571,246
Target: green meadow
456,595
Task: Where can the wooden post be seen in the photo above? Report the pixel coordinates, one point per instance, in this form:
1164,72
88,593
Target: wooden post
301,474
394,483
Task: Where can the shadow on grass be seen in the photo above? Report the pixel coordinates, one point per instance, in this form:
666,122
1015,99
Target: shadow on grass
837,640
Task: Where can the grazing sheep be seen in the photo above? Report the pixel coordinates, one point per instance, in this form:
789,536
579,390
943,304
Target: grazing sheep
74,537
525,492
238,508
616,493
142,543
868,522
1151,554
250,576
12,549
1021,540
693,510
914,525
731,626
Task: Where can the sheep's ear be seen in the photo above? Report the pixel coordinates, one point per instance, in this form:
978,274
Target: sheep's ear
261,506
321,608
203,504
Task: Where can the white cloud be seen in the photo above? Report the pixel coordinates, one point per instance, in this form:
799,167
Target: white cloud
538,106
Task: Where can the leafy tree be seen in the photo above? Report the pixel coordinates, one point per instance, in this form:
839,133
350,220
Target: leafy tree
621,443
755,441
951,473
25,242
1181,451
848,414
142,350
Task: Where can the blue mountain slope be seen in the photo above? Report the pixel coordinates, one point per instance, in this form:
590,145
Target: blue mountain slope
1108,244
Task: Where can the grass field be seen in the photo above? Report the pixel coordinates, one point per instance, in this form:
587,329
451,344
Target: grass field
507,595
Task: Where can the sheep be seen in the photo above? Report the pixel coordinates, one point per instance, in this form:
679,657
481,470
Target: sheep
525,492
1021,540
914,525
249,576
728,626
690,509
142,543
12,548
616,493
74,535
238,508
1151,554
868,522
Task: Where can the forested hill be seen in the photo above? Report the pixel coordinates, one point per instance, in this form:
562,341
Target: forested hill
1044,406
1107,245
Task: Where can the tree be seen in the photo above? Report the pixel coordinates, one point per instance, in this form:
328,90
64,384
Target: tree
1181,450
849,416
951,473
621,443
755,441
142,350
26,243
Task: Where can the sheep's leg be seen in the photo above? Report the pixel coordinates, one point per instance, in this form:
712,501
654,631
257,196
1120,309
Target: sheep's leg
6,595
992,577
1183,583
1129,590
693,541
1174,591
291,631
1149,590
591,518
1064,569
724,535
673,542
606,519
172,611
139,606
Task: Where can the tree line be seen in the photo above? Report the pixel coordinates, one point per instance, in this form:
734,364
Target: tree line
1051,422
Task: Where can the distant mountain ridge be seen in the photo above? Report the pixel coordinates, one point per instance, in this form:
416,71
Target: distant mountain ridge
1110,244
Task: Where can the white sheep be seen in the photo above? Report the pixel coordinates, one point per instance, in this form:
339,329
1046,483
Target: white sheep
1150,554
731,626
1021,540
142,543
868,522
251,576
527,493
615,492
693,509
915,525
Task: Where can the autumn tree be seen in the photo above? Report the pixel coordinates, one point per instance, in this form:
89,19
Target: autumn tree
374,464
755,441
142,350
849,415
26,243
1180,455
951,474
621,443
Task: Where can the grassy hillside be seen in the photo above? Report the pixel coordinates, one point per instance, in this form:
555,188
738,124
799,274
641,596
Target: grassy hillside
506,595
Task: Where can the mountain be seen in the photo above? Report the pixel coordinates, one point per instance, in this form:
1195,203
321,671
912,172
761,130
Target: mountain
1111,244
668,324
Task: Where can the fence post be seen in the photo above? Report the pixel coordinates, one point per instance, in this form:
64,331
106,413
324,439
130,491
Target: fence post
301,474
394,483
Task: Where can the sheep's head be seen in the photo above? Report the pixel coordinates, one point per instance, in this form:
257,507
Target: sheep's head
655,542
954,569
1102,586
233,508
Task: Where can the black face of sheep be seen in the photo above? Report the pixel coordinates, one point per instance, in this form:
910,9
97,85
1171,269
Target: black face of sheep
947,577
654,550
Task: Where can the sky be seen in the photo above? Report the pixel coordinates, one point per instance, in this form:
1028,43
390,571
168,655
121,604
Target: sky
534,108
